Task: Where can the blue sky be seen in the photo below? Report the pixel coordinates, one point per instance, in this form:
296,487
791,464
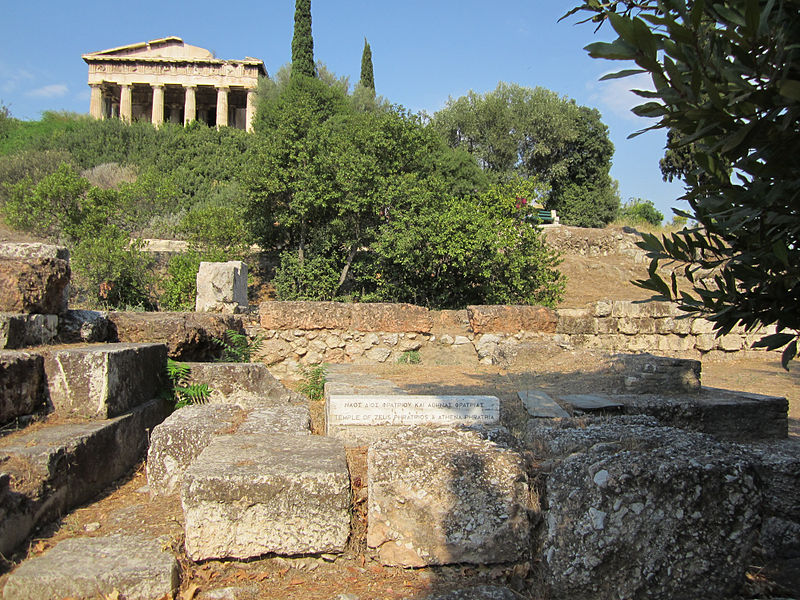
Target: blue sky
423,51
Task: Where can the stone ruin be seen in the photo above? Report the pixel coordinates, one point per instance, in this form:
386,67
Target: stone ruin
665,490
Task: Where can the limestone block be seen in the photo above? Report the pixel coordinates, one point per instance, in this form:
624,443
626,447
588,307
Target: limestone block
88,326
603,308
441,495
675,520
648,374
639,309
106,380
236,381
21,384
305,315
55,468
130,567
188,336
249,495
606,325
179,440
378,354
390,318
21,331
276,350
702,326
576,321
34,285
221,287
705,342
675,343
32,250
511,319
636,325
450,320
281,418
731,342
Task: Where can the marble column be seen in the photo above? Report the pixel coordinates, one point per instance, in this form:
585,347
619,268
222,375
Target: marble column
96,101
190,104
126,102
222,106
250,111
157,117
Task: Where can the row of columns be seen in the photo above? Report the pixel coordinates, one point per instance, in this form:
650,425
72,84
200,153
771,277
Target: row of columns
157,116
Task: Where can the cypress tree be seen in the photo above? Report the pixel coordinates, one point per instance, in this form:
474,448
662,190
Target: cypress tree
367,74
302,42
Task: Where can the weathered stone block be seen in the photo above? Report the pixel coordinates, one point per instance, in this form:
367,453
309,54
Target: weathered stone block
56,468
511,319
441,495
397,318
638,309
221,287
702,326
188,336
21,331
179,440
88,326
730,342
279,418
132,567
106,380
676,520
251,382
305,315
21,384
34,285
648,374
33,250
576,321
603,308
248,495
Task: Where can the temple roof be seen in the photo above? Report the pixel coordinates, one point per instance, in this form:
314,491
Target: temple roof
170,49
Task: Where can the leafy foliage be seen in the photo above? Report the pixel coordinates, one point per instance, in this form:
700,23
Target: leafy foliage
640,211
367,79
409,357
238,347
182,391
519,131
313,384
302,41
180,286
727,81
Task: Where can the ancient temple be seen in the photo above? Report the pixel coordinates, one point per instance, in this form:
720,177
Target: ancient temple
168,80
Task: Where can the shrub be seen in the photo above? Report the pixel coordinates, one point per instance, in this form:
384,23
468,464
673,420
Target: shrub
640,211
32,166
313,384
180,286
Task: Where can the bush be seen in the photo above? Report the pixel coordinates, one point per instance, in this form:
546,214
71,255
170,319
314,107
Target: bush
180,286
32,166
638,211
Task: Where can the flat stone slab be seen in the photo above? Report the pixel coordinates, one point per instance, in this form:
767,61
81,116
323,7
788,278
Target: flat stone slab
135,567
246,384
443,495
280,418
591,402
21,331
55,468
541,405
21,384
248,494
106,380
179,440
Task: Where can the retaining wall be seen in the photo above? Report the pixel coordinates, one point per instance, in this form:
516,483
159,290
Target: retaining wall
307,333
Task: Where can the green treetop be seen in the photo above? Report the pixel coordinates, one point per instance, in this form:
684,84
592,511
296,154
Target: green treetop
367,73
303,42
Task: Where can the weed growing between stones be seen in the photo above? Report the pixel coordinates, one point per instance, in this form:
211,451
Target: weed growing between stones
409,357
237,347
313,384
181,390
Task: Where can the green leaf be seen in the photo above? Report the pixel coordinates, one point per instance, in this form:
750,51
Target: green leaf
790,88
788,354
621,74
617,50
774,341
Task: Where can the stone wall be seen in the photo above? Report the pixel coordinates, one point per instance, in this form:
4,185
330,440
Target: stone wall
307,333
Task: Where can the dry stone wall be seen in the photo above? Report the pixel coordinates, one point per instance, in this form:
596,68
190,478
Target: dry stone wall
307,333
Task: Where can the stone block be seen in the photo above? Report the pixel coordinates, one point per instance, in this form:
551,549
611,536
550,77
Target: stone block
636,325
179,440
675,520
237,382
106,380
34,285
279,418
702,326
21,331
307,316
731,342
540,404
55,468
512,319
249,495
188,336
391,318
21,384
89,326
33,250
130,567
451,321
648,374
603,308
221,287
705,342
576,321
641,309
442,495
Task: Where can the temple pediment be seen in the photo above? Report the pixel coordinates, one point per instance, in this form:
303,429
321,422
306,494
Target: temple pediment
170,47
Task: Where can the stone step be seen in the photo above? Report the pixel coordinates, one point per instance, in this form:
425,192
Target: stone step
34,278
177,442
246,384
132,567
22,331
248,495
55,468
21,384
540,404
105,380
